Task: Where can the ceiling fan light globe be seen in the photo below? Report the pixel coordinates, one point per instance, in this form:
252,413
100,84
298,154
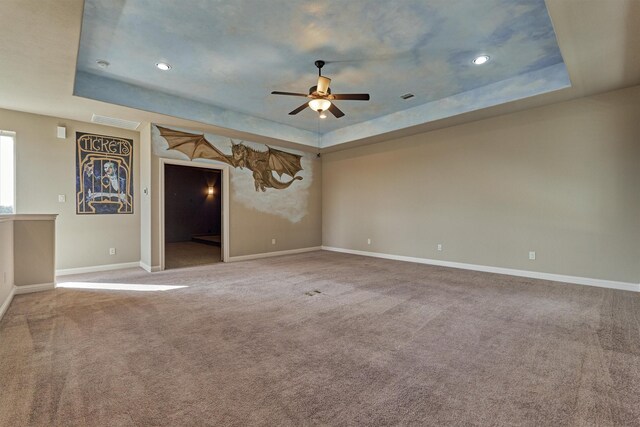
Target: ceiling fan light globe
319,104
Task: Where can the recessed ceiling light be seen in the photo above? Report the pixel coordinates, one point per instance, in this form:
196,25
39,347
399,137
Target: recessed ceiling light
479,60
102,63
163,66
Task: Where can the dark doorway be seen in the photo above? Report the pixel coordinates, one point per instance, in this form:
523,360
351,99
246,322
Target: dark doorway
192,216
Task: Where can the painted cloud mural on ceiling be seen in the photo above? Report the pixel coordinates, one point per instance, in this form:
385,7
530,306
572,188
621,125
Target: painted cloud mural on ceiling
227,57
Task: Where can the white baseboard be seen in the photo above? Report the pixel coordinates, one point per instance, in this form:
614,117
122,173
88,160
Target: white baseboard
270,254
625,286
27,289
96,268
149,268
5,305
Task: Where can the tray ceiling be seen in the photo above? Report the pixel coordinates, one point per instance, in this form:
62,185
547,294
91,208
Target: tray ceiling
226,58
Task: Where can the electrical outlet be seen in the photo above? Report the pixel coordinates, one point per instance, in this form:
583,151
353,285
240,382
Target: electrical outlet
273,241
368,241
62,198
532,255
112,251
440,247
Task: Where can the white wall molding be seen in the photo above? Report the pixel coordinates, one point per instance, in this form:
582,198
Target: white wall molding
96,268
39,287
148,268
5,305
272,254
625,286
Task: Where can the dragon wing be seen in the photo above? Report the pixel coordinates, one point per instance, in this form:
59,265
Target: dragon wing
193,145
282,162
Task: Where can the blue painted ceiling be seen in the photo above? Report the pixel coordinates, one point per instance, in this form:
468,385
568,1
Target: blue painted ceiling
227,56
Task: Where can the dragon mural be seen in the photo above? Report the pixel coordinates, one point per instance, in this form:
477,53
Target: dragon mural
261,163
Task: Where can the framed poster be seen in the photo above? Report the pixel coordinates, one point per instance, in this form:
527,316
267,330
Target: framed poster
104,174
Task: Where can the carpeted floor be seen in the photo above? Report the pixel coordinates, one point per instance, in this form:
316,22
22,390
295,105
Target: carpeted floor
190,254
321,339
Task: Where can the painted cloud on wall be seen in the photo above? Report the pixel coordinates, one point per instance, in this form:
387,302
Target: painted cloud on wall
258,170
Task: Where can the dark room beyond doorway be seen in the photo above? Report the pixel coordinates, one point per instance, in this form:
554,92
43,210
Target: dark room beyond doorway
193,216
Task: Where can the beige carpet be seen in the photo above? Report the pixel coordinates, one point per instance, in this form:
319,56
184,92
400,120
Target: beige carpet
190,254
321,339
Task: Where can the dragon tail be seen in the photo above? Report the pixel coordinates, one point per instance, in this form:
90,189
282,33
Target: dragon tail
279,185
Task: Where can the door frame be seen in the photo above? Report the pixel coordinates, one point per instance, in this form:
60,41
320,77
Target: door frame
224,172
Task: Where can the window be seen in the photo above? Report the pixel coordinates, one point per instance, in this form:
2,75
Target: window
7,173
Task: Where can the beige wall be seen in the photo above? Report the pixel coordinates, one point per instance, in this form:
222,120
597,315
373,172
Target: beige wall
45,168
27,254
155,211
34,252
6,260
251,231
145,199
562,180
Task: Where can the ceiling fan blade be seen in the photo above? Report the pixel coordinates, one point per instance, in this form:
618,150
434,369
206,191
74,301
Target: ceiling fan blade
336,111
350,96
323,85
300,108
276,92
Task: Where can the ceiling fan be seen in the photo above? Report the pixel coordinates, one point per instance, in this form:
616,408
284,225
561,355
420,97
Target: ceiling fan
321,96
